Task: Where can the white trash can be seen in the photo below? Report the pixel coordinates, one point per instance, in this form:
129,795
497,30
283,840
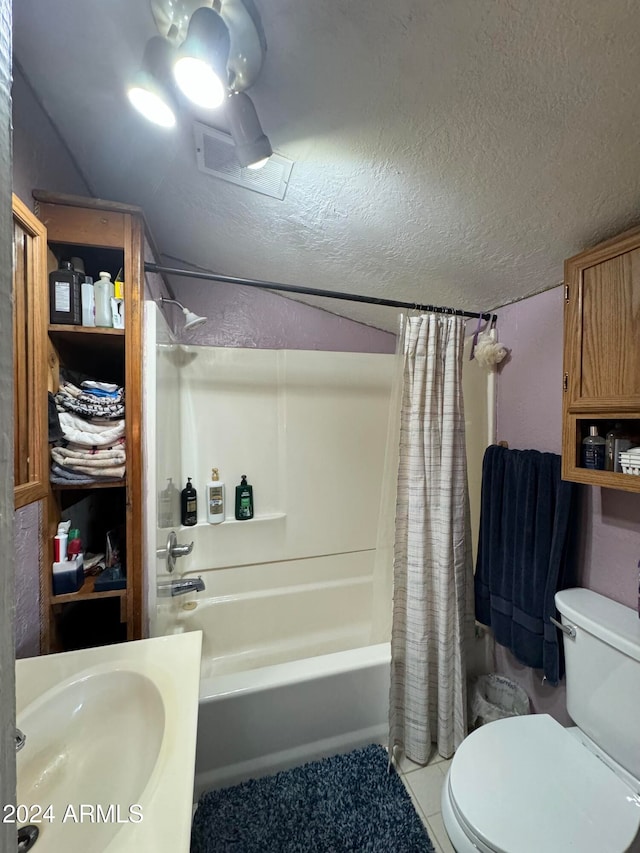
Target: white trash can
494,697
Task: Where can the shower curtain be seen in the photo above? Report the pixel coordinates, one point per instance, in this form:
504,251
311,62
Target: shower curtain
433,576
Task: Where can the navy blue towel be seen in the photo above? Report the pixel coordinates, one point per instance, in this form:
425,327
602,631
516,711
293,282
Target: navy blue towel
525,553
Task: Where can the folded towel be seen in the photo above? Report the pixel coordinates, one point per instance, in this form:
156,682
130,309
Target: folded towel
88,460
107,395
89,433
94,385
96,450
72,399
115,472
65,476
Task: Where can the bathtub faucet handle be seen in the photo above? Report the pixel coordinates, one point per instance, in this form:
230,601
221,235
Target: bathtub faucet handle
181,550
173,551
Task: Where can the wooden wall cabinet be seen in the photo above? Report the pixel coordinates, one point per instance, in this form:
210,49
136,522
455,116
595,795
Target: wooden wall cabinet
601,353
30,301
107,236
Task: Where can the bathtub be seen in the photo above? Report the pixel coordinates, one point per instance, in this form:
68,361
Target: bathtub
289,673
259,721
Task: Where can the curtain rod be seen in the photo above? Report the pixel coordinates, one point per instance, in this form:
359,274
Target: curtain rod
313,291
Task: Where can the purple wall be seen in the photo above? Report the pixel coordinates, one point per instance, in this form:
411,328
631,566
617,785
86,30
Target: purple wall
529,415
529,384
247,317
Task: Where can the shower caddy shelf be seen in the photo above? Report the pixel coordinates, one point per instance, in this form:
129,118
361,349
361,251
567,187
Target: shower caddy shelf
107,235
267,516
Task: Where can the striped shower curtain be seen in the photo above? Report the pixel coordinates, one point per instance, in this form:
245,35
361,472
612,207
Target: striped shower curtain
433,576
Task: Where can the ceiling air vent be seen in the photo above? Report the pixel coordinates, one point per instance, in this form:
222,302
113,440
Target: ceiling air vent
215,153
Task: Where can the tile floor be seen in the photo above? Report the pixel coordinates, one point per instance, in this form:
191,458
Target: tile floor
424,785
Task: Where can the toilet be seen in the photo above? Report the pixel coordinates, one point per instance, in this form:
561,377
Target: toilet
529,785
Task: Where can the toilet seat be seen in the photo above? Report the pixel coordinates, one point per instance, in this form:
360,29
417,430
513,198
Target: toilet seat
526,785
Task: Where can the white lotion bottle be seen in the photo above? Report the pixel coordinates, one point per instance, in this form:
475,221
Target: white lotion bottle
103,291
215,498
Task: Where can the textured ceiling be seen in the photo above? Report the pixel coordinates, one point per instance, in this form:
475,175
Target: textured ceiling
446,151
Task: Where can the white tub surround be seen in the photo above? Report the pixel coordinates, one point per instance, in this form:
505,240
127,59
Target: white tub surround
308,428
111,727
254,616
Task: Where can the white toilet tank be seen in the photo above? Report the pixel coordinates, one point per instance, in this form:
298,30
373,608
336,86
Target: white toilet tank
603,672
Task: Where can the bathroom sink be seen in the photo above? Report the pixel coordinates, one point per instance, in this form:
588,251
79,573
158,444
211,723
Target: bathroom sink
94,741
109,755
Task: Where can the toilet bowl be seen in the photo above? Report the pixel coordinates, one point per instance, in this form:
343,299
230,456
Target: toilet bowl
529,785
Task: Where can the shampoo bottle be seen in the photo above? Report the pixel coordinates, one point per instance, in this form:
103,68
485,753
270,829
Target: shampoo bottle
65,304
244,500
103,291
593,450
189,505
215,498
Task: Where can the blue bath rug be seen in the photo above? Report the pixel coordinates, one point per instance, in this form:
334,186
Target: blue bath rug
344,804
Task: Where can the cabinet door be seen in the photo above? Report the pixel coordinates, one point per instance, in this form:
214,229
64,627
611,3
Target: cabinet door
602,343
30,300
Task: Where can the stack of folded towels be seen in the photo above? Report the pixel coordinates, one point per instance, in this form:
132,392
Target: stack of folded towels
92,447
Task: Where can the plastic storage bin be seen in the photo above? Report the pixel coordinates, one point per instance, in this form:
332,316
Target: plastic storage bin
630,461
494,697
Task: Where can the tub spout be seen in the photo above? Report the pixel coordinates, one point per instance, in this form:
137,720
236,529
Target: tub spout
21,739
181,587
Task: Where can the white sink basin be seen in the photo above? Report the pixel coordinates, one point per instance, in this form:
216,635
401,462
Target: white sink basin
110,746
106,721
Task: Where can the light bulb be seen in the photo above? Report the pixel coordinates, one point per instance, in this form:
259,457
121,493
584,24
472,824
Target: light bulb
151,106
199,82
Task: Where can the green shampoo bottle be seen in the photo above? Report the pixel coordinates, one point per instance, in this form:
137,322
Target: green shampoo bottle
244,500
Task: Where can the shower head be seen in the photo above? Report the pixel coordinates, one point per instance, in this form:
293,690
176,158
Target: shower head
191,320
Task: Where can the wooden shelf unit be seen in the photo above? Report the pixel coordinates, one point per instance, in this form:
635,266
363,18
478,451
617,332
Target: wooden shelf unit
106,235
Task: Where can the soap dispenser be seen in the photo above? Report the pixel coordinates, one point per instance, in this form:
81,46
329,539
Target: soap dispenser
189,505
215,498
244,500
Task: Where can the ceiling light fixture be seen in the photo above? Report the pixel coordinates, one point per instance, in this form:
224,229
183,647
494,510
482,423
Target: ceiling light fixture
201,67
217,49
253,148
192,321
150,90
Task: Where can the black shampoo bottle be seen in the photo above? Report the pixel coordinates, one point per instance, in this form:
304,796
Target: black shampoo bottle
189,505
